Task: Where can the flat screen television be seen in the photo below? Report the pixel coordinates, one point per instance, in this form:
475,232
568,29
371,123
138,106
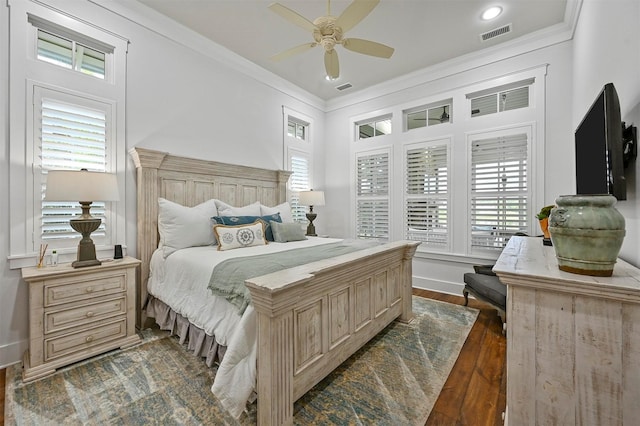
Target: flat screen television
599,148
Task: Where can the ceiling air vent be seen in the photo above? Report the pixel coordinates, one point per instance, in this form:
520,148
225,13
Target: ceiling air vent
495,32
344,86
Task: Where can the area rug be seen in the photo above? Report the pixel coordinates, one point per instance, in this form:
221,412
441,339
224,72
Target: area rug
394,379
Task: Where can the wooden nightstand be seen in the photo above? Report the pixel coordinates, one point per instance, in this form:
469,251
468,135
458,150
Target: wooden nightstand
78,313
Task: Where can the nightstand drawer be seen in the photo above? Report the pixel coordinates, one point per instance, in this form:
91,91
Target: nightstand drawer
84,340
59,320
84,287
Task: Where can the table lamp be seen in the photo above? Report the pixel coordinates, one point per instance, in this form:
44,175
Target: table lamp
311,198
86,187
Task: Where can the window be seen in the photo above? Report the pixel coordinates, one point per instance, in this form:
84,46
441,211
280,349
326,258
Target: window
298,181
500,99
297,129
64,90
499,189
427,194
299,160
374,127
372,195
73,135
428,115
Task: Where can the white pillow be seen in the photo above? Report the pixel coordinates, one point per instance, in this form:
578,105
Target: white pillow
239,236
225,209
181,227
284,209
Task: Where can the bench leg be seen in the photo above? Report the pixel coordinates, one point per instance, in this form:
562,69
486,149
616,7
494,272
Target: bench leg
466,297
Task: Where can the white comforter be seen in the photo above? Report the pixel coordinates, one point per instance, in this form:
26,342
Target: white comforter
181,282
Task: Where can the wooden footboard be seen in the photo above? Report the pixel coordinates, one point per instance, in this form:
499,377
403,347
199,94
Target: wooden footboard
313,317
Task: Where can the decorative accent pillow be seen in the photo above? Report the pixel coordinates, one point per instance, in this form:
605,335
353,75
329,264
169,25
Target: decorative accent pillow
244,220
233,237
225,209
284,209
181,227
285,232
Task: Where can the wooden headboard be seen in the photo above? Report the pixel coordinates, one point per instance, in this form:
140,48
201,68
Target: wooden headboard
189,182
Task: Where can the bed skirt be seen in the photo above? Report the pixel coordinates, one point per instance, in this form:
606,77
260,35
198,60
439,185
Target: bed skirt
195,338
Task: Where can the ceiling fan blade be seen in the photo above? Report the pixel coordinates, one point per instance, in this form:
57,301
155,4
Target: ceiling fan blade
367,47
331,63
293,51
355,13
292,16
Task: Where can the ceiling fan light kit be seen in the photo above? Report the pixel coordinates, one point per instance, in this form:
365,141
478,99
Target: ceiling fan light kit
328,31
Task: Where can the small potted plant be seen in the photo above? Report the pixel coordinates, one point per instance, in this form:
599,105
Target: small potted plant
543,217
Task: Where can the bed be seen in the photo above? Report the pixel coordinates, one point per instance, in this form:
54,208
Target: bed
306,320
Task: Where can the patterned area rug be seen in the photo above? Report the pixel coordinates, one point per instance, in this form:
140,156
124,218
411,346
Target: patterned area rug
394,379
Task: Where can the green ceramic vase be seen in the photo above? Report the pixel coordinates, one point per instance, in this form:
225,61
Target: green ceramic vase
587,232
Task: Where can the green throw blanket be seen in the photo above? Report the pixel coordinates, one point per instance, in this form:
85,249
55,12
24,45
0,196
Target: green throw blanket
228,277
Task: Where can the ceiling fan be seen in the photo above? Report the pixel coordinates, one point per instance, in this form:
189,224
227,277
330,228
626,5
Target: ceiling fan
328,31
444,117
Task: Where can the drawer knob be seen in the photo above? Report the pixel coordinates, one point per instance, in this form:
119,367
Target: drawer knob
89,289
88,339
90,314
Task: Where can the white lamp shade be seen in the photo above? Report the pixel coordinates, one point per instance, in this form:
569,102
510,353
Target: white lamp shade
312,198
81,185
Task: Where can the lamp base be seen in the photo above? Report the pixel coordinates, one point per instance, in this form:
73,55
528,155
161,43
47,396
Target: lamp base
311,229
83,263
86,248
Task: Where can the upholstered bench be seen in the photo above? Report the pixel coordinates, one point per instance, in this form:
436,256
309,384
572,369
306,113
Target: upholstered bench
486,286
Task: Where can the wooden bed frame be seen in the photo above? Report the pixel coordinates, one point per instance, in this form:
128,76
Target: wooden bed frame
310,318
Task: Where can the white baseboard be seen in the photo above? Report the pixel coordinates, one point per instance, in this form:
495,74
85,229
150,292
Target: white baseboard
437,285
12,353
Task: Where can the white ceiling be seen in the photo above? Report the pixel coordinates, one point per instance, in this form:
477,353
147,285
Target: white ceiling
423,33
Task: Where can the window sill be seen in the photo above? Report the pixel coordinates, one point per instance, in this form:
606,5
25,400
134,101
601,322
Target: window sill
456,258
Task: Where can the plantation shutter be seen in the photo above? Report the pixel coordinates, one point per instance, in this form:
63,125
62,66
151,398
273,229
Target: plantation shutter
499,190
372,196
299,181
72,137
427,194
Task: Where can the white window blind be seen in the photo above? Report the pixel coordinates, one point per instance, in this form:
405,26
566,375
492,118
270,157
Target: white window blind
500,101
372,196
73,137
298,181
427,195
499,190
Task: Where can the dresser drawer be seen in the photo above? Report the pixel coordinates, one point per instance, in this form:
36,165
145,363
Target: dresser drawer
71,290
81,315
84,340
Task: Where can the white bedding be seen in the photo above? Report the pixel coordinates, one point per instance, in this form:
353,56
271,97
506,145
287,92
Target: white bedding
181,281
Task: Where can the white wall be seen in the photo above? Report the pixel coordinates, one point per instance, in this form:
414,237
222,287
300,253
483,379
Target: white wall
178,101
607,49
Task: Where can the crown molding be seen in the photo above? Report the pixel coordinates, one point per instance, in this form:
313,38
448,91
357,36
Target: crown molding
142,15
537,40
154,21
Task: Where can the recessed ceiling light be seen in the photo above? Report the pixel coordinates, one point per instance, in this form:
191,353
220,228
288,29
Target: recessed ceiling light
329,78
491,13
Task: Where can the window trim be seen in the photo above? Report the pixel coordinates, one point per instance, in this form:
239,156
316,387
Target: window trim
40,91
390,188
293,145
529,129
446,141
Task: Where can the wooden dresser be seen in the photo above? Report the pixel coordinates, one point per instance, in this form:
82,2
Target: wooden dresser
573,341
78,313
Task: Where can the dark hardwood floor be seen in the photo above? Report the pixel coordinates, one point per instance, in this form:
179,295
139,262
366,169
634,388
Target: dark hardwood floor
475,392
